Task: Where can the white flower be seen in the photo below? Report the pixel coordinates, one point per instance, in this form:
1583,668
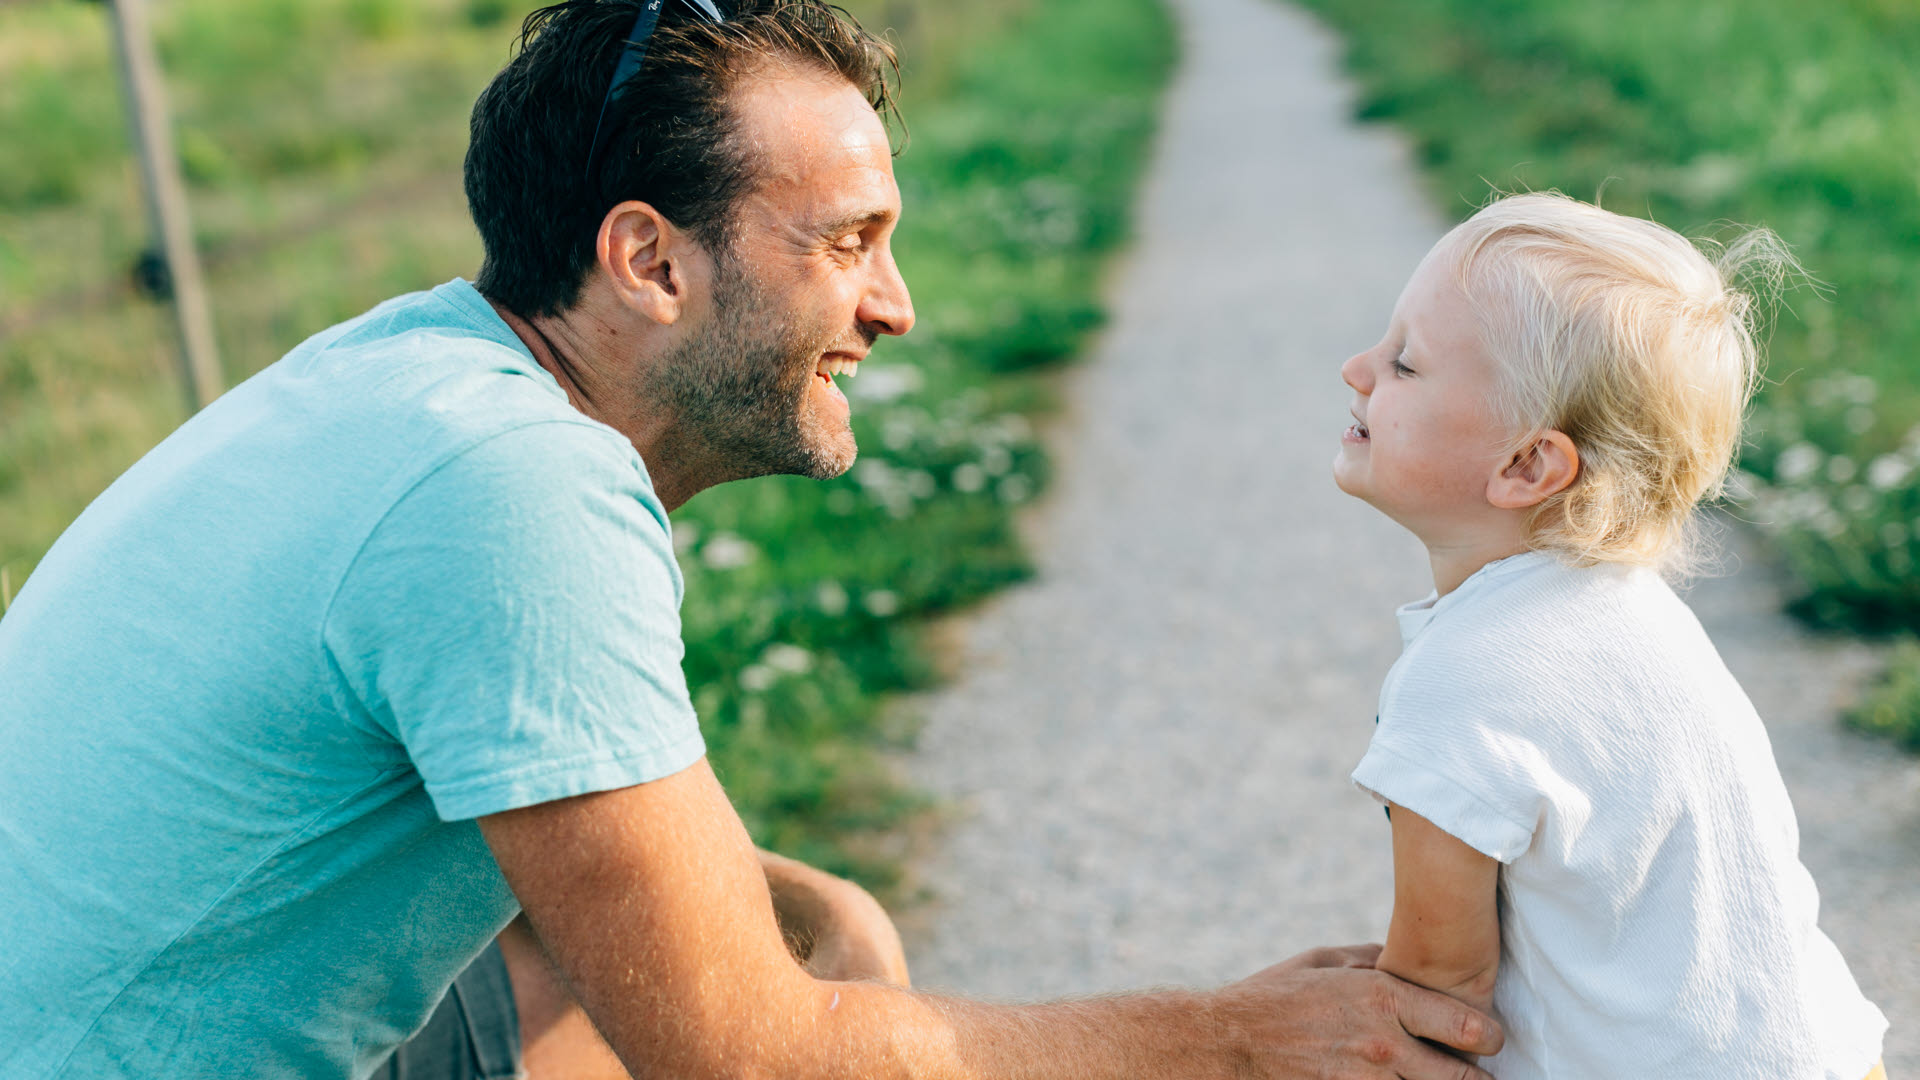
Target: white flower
685,535
757,678
832,598
791,659
1893,534
899,430
1860,419
969,478
1888,470
1797,462
921,484
1015,489
1856,500
728,552
881,603
1841,468
884,384
996,459
874,474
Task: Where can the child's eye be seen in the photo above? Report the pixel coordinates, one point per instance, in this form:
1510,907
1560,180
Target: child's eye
1400,368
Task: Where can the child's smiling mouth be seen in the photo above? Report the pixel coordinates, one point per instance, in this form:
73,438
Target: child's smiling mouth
1357,432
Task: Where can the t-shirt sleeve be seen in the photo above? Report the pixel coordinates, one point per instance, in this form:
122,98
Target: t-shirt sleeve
514,622
1453,751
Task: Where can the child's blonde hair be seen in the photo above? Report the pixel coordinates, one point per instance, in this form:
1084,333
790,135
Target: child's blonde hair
1624,336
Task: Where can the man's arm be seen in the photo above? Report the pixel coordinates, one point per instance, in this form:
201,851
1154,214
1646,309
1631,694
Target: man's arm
654,905
836,929
1445,933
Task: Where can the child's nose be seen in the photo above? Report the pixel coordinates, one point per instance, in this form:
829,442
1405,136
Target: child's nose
1356,373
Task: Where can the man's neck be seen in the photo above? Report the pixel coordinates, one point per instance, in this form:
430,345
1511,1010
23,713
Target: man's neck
561,345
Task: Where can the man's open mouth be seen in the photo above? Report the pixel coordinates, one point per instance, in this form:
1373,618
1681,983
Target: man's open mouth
829,366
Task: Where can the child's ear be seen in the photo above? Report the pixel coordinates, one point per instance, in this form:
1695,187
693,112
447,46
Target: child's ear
1545,468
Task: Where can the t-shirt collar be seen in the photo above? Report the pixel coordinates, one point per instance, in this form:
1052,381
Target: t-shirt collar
461,295
1416,616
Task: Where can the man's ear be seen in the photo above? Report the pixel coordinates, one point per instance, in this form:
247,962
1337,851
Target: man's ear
645,257
1544,468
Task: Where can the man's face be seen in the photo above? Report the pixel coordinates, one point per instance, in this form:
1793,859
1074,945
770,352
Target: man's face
807,286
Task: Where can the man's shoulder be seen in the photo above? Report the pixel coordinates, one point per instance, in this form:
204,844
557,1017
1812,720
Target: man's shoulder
454,310
411,385
412,348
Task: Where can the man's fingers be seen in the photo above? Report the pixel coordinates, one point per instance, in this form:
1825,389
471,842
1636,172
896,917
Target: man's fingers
1357,956
1430,1064
1436,1016
1336,956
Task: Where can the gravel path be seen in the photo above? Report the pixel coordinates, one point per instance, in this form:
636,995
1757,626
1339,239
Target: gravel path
1148,747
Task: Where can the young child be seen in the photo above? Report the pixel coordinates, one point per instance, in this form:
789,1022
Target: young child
1589,831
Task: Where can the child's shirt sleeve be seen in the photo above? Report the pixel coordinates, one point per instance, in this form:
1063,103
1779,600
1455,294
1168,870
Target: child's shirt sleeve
1451,747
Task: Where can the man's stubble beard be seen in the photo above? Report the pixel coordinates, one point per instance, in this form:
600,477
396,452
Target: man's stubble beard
743,386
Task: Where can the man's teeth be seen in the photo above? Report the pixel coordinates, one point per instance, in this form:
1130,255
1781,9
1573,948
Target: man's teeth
836,365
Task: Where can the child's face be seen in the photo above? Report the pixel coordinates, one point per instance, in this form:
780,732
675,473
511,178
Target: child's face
1428,442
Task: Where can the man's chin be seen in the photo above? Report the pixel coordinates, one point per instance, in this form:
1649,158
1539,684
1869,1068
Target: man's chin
833,459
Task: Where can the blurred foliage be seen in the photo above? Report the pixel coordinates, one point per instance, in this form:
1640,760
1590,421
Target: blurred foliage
1892,707
1848,523
1801,117
323,140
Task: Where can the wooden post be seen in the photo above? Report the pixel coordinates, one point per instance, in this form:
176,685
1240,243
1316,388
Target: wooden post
140,80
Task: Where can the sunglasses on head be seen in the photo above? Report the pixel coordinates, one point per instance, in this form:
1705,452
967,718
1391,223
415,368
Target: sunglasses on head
630,59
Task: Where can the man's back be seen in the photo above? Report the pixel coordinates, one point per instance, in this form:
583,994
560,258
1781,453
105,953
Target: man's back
243,849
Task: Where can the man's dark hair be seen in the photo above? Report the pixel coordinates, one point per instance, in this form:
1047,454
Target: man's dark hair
671,138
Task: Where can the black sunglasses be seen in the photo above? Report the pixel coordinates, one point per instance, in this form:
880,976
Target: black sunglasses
630,59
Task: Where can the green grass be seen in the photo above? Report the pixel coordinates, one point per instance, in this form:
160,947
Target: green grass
1801,117
1892,706
323,141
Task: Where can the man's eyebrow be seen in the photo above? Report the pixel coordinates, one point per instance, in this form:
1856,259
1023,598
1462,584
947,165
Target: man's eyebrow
856,221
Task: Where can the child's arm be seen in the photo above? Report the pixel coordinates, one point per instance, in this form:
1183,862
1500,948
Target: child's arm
1445,933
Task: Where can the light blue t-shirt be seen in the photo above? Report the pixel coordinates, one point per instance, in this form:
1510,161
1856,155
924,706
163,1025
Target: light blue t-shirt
253,699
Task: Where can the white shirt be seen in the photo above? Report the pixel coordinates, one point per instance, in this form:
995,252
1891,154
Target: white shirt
1655,920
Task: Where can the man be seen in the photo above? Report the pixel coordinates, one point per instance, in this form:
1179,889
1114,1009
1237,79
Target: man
383,648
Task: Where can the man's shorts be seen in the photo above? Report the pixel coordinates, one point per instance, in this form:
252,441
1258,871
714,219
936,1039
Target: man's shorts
473,1035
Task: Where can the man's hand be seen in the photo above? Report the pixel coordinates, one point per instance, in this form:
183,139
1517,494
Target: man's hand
1327,1013
833,927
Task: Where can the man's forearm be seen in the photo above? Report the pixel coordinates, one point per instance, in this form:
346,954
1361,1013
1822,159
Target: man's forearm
654,905
1323,1013
927,1037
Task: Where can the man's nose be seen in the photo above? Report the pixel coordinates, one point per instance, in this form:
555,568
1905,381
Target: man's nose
1357,374
888,306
